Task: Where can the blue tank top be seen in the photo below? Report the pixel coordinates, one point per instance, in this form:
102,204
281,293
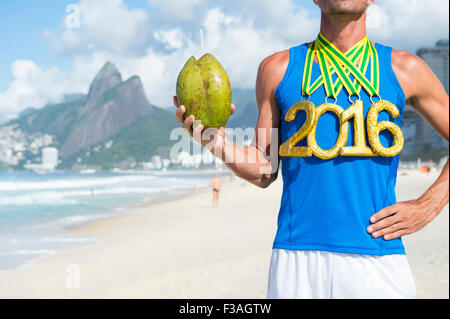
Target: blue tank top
326,204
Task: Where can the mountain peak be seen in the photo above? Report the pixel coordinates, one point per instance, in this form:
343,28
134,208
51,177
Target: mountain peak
111,105
109,68
107,78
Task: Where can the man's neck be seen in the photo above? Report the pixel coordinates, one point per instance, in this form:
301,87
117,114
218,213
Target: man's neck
343,31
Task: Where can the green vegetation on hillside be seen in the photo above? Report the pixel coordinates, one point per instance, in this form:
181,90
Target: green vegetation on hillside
3,166
246,114
139,140
56,120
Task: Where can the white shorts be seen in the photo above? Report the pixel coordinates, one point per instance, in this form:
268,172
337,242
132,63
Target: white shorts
321,274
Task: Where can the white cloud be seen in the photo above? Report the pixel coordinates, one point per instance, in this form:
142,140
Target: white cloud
105,25
410,24
34,87
172,39
178,11
31,86
155,43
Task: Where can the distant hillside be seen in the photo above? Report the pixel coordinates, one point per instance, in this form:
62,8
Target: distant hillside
147,136
56,120
246,113
113,111
114,122
27,111
110,105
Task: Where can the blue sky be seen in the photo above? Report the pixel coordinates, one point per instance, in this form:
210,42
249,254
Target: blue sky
41,59
23,21
21,26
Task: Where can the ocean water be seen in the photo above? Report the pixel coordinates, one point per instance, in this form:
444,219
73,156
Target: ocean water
37,211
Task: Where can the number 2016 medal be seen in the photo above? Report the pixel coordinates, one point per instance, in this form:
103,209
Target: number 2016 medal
331,60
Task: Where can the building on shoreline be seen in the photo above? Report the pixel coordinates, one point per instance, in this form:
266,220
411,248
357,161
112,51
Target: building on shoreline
48,163
421,140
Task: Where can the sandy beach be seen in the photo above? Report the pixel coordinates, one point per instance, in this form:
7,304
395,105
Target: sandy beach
184,248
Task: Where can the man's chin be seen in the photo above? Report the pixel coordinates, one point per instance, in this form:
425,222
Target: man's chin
343,8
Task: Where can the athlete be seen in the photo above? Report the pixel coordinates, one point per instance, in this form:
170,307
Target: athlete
333,107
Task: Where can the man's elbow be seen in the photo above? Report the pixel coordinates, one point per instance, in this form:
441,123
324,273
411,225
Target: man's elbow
265,181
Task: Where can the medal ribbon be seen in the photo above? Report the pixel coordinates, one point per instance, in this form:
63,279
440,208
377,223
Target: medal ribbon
331,61
353,55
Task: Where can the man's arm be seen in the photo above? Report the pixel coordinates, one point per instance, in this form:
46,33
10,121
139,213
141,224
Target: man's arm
252,163
425,94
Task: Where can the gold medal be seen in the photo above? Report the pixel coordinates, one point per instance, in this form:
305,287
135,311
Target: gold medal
342,137
374,128
288,148
360,148
331,60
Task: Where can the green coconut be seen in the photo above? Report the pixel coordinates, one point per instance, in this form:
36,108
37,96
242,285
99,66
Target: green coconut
204,89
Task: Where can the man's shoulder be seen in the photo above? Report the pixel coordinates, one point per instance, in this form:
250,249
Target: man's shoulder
279,57
405,62
272,69
408,68
276,63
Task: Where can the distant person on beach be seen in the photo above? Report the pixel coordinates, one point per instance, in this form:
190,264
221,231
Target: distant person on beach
425,168
195,186
339,224
216,184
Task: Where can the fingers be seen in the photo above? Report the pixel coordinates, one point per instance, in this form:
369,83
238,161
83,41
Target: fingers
389,230
181,110
197,131
384,213
175,101
188,123
396,234
383,223
386,222
180,114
